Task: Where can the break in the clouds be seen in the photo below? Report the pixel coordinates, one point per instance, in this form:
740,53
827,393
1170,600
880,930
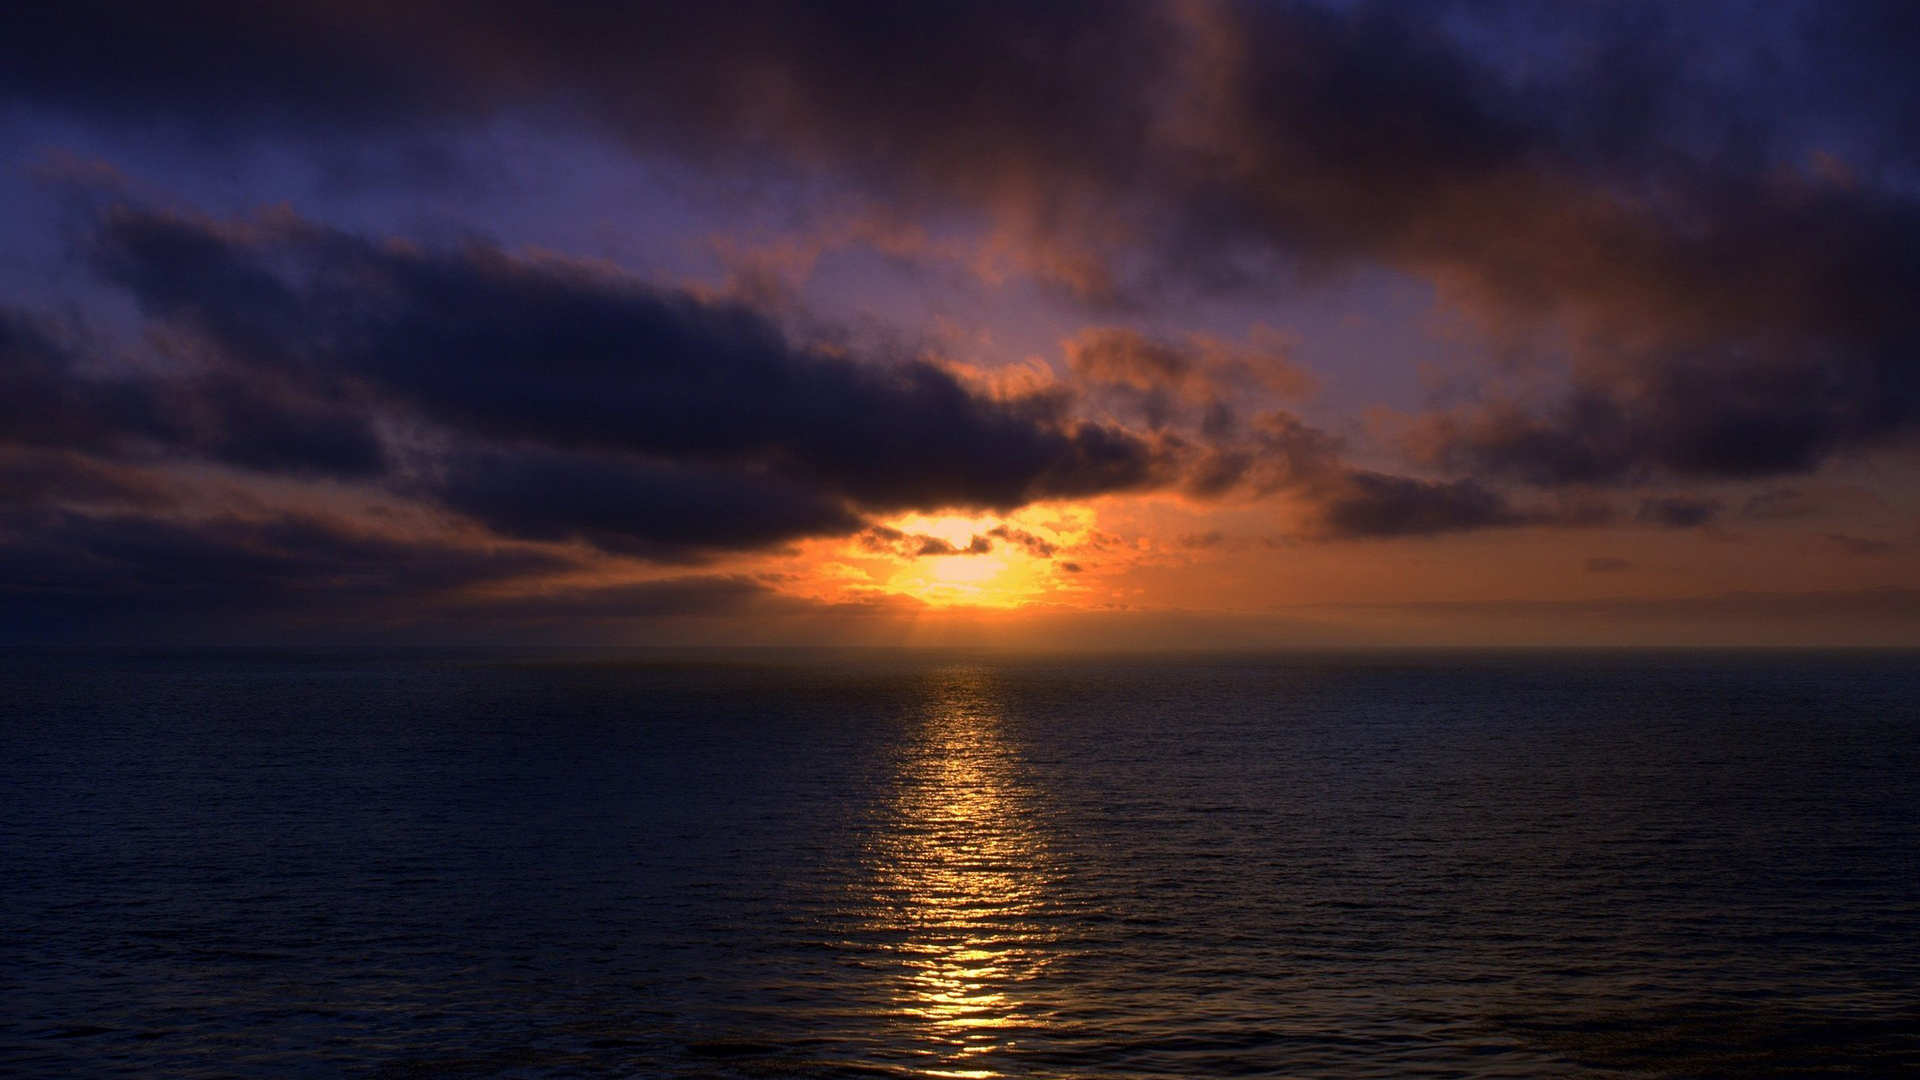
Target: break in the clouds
1680,243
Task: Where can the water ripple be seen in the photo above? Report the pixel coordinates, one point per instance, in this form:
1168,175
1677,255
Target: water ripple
363,865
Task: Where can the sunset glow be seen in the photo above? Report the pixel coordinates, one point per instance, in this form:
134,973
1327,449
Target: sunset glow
973,539
1124,326
982,568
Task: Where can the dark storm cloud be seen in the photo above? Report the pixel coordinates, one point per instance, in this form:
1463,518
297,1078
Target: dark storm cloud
696,596
94,575
657,510
1279,454
38,477
49,399
496,348
1365,505
1772,405
110,577
1679,511
710,608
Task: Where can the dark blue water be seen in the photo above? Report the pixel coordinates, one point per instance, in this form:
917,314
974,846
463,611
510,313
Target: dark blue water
767,865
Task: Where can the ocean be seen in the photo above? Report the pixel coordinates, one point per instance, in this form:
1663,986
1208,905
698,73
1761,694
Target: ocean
388,864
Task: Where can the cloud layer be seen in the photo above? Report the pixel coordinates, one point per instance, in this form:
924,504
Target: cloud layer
1732,245
1695,227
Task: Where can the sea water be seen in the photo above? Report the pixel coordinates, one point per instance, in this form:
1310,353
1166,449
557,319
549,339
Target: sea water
815,864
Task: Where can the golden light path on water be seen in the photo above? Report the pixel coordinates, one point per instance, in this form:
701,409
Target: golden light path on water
965,868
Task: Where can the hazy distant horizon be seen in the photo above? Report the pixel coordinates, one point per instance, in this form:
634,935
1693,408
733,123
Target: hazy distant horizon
1878,618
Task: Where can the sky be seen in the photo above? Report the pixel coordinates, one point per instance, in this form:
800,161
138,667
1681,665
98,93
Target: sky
1079,323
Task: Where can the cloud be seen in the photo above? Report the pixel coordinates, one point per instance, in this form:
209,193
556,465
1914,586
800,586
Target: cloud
1278,454
1274,451
1756,407
1826,500
1036,546
1369,505
1716,221
1884,617
37,477
659,510
1854,546
882,540
1194,383
1773,613
119,577
1679,511
48,400
1737,291
542,402
1120,357
699,596
215,68
100,576
653,393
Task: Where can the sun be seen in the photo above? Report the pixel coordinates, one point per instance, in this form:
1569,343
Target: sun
997,577
1049,554
966,560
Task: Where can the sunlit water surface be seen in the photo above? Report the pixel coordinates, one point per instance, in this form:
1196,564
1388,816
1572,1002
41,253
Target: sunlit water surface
355,864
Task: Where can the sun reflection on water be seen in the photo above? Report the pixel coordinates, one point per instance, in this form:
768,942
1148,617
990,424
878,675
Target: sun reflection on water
963,867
